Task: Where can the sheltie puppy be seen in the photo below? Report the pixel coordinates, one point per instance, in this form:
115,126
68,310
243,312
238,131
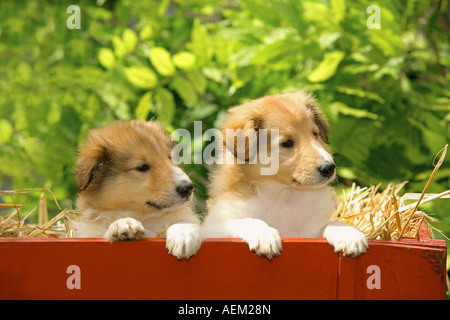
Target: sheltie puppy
129,188
294,201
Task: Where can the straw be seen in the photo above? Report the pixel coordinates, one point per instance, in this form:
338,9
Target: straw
43,212
13,226
383,215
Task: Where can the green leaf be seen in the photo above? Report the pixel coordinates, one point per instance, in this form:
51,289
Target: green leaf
24,71
392,67
164,106
364,68
106,58
203,110
360,93
263,12
346,173
201,44
163,6
144,106
314,13
96,13
185,90
141,77
199,81
244,56
214,74
357,113
119,47
54,114
146,33
326,40
130,39
338,8
352,137
184,60
6,131
436,138
100,32
161,60
275,51
327,68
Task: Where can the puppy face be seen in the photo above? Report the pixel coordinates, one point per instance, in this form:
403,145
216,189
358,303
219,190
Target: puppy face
304,159
127,166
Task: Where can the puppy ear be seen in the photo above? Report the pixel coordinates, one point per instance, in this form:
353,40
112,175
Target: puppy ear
322,124
241,137
320,121
90,166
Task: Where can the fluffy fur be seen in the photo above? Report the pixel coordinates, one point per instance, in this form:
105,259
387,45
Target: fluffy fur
294,202
130,188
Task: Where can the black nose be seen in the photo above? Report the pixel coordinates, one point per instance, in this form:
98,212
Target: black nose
327,170
185,189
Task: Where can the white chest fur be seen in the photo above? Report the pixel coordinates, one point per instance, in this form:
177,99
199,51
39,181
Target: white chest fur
294,213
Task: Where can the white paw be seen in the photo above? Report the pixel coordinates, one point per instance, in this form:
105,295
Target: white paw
125,229
346,239
262,239
183,240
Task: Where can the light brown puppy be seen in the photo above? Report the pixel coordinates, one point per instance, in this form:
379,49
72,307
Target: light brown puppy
130,188
291,201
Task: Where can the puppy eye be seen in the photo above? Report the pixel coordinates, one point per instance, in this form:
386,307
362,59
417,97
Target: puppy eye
316,134
288,144
143,168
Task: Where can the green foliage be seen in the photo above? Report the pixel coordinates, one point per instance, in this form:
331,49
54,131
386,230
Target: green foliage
385,90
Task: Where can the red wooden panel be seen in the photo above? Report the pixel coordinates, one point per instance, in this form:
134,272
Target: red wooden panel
407,269
36,269
223,269
409,272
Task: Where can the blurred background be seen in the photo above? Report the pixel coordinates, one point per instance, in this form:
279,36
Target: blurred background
383,81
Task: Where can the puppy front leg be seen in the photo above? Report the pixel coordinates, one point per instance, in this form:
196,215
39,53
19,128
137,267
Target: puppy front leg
346,239
261,238
183,239
125,229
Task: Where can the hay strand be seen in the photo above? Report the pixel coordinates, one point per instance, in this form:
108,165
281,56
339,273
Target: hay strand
9,205
43,212
436,168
